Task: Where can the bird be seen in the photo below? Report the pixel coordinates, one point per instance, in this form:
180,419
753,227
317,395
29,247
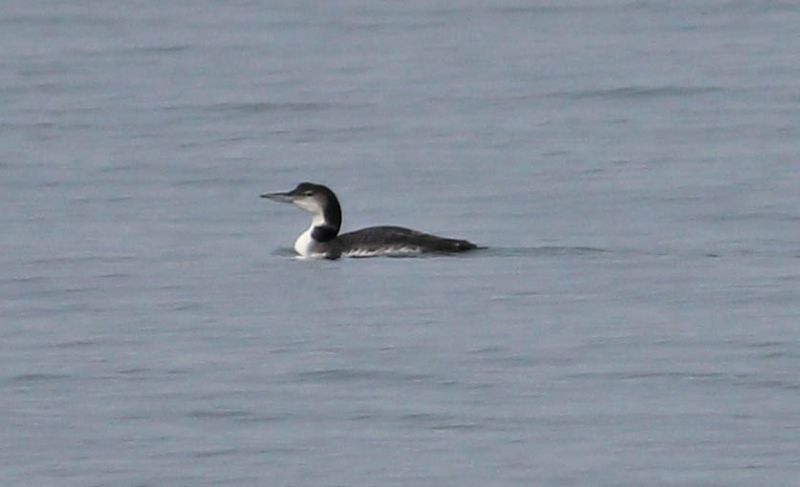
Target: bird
323,240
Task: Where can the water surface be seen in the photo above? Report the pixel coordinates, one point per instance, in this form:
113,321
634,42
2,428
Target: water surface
631,166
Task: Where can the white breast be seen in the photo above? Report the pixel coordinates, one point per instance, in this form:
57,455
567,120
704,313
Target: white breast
304,245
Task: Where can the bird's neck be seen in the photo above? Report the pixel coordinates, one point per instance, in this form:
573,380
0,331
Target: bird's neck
325,226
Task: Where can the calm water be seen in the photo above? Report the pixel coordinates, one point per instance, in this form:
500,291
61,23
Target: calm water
633,166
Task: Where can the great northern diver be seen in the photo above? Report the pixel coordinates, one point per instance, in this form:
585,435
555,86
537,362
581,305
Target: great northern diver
322,239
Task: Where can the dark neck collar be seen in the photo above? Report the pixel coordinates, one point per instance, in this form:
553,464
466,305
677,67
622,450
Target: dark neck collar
324,232
333,220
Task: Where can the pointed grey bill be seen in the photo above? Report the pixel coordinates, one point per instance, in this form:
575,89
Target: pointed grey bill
281,197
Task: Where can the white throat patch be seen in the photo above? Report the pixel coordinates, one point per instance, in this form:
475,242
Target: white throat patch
305,245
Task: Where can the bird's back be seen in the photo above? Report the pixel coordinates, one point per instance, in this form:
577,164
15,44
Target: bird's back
389,240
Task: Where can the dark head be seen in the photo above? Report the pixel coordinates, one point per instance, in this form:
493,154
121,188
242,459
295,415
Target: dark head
316,199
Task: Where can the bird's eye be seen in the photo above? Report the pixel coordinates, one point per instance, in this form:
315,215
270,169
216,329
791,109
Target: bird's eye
308,193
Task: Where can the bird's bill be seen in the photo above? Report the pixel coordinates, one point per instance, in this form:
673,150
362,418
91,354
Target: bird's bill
280,197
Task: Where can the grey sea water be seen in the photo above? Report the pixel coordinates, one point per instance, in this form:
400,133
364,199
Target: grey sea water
632,165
